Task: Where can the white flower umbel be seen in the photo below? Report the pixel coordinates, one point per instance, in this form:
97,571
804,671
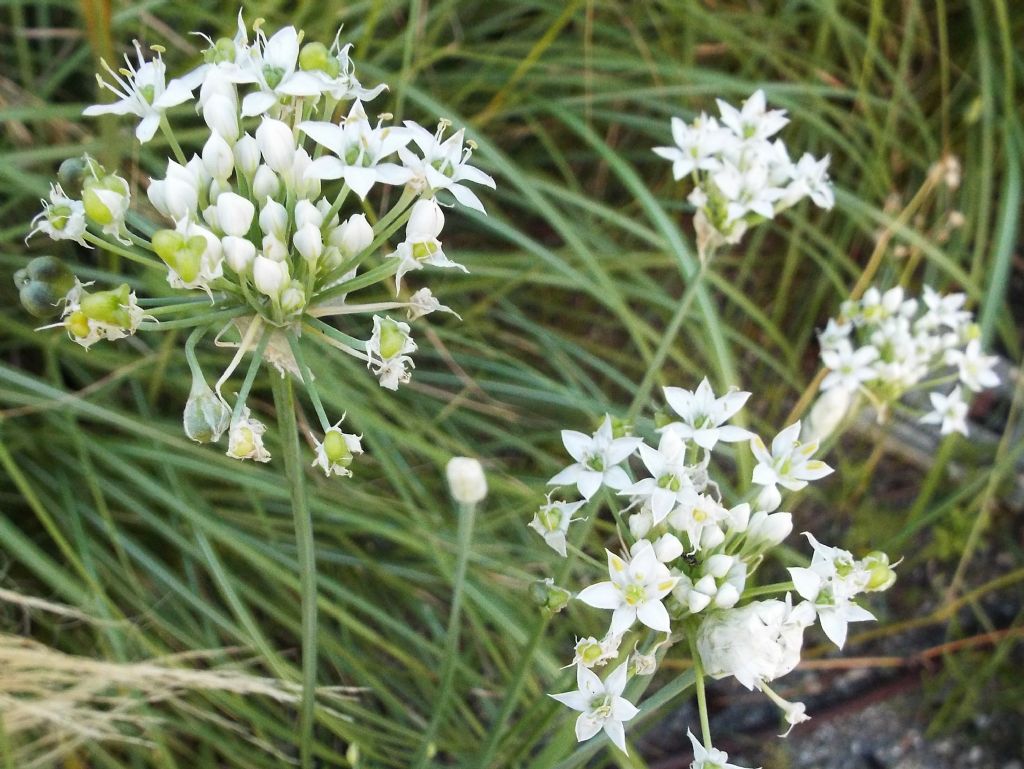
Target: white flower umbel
887,344
598,459
789,464
552,521
830,584
142,91
600,704
635,591
703,416
709,758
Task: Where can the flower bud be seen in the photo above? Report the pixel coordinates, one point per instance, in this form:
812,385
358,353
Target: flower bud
769,529
727,596
234,214
265,183
827,414
239,253
216,84
769,499
247,155
425,222
466,480
881,573
221,115
277,144
641,523
306,212
718,565
308,242
293,298
177,194
206,416
274,219
668,548
274,249
353,236
270,276
218,159
548,596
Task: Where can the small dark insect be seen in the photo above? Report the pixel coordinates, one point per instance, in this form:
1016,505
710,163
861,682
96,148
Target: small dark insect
690,558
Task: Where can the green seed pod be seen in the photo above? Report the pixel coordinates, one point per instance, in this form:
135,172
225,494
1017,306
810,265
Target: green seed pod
181,254
206,416
336,448
71,175
39,299
53,272
392,339
21,277
314,56
77,323
548,596
108,306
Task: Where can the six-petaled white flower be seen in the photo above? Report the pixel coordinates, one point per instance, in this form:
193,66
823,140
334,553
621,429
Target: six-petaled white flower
600,704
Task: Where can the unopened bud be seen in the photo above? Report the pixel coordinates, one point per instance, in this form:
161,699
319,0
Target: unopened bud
466,480
206,416
548,596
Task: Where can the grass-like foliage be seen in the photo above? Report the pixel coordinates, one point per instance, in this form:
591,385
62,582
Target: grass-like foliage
167,574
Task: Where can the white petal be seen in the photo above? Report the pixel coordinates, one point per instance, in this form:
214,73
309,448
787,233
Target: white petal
257,103
576,443
655,616
589,482
603,595
616,733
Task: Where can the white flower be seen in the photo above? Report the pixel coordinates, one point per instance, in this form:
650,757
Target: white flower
697,145
552,521
700,517
421,245
755,643
270,276
669,475
234,214
245,438
849,367
142,92
444,164
703,415
635,591
830,584
423,302
601,705
789,464
718,583
950,411
591,653
388,352
218,157
247,155
943,310
466,480
353,236
334,454
277,145
597,460
753,120
810,179
176,196
61,218
273,69
709,758
359,151
974,368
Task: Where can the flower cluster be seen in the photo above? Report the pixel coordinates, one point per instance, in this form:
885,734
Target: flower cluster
886,344
688,559
740,175
296,200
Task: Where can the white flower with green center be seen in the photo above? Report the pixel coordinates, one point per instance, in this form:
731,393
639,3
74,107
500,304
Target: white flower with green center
700,517
943,310
600,704
421,245
848,367
245,438
388,352
753,121
272,66
830,584
61,218
358,150
335,453
598,459
789,464
670,476
703,417
591,653
635,591
974,368
142,90
444,164
709,758
552,521
949,411
697,145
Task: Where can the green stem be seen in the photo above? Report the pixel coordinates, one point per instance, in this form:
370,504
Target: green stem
467,515
665,345
702,700
165,127
284,403
106,245
307,380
